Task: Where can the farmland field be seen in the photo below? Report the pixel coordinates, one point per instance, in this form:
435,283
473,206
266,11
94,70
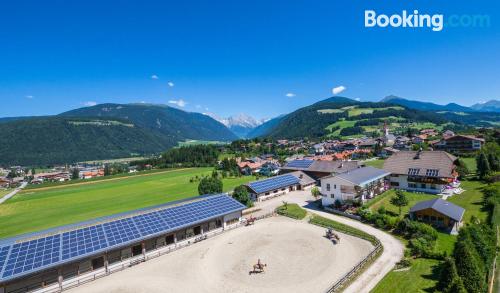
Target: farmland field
34,210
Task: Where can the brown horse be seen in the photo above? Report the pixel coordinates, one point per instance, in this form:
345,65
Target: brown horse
259,268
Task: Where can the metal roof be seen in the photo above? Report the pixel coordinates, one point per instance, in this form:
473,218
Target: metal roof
362,176
442,206
30,253
273,183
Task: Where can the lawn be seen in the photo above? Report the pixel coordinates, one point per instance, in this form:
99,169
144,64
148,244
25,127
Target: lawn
375,163
292,210
471,200
33,210
4,192
421,277
471,164
385,198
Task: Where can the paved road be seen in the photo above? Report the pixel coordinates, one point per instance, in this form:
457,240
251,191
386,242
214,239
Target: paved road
393,248
9,195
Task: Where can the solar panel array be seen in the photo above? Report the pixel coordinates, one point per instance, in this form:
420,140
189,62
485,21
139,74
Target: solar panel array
274,183
303,164
22,257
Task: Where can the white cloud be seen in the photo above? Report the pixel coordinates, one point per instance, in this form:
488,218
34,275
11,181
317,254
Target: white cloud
89,103
180,102
358,99
290,95
154,76
170,84
198,106
338,90
29,97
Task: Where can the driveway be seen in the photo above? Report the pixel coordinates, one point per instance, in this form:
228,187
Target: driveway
393,248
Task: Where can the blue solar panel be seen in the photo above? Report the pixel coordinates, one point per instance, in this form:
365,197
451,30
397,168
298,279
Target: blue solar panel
82,241
3,255
30,255
121,231
300,164
273,183
150,223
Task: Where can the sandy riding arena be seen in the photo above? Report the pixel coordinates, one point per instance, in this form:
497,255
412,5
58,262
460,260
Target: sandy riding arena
298,256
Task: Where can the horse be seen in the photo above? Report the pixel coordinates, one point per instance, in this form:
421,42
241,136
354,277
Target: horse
259,268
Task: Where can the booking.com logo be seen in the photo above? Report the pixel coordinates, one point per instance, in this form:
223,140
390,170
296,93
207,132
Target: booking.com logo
436,22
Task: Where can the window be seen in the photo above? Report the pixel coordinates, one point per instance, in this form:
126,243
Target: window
332,196
394,183
328,187
334,186
423,185
412,185
413,171
432,172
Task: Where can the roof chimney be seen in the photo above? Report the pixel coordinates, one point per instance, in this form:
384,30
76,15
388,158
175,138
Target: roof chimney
417,155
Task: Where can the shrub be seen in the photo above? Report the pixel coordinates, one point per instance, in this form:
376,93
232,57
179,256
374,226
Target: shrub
381,210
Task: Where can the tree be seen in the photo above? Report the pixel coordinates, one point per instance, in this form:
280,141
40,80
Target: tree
448,274
483,166
462,169
493,162
315,192
468,266
399,200
241,194
210,185
107,170
75,174
33,172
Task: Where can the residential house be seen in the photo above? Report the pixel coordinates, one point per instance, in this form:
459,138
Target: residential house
357,185
448,133
418,139
460,143
429,132
402,143
440,213
421,171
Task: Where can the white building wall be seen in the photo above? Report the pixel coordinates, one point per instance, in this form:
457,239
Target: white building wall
329,197
403,184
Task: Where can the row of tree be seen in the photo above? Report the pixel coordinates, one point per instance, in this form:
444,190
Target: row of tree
470,267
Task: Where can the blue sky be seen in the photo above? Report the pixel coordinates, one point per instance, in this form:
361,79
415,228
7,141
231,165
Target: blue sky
229,57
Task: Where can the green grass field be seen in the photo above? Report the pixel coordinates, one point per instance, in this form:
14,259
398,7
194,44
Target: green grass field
4,192
375,163
421,277
471,200
190,142
471,164
385,200
292,210
34,210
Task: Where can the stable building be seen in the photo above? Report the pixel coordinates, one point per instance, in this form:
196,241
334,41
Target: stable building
439,213
279,185
60,258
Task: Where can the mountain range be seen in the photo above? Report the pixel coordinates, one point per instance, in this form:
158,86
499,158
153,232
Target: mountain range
241,125
110,130
103,131
490,106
